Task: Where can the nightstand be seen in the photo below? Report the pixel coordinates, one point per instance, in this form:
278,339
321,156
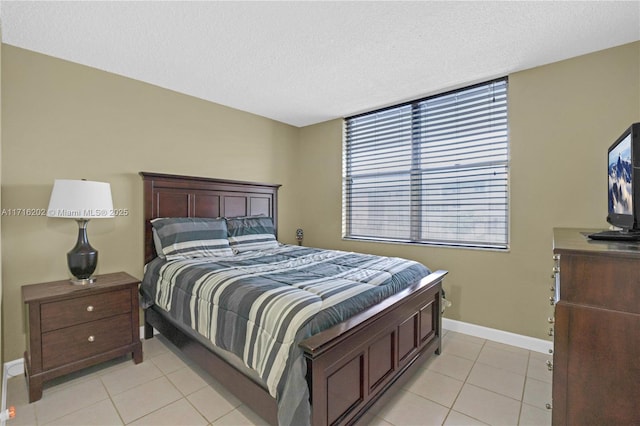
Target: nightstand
71,327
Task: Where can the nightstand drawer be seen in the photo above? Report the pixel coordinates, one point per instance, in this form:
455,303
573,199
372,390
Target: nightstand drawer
56,315
63,346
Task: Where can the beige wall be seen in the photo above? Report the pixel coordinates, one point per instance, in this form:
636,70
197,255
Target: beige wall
562,119
63,120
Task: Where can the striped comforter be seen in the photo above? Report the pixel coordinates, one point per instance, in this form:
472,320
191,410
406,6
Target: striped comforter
257,304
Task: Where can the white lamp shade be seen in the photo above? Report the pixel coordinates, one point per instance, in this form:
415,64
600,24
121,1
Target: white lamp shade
80,199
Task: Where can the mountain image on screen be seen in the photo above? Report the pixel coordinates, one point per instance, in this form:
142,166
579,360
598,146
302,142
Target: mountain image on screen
620,195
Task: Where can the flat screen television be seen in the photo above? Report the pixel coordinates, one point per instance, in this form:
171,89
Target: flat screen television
623,170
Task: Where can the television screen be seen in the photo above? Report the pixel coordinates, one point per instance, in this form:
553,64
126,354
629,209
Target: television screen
623,169
620,178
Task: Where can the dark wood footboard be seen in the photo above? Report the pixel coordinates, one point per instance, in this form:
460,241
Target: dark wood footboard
351,367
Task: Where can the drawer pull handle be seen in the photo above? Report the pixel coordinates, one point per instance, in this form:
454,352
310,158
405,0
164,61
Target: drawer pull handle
91,338
90,308
552,300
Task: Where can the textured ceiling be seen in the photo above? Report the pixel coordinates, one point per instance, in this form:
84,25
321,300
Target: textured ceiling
307,62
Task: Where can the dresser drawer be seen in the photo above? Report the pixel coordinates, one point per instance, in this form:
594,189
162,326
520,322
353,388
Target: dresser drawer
69,344
65,313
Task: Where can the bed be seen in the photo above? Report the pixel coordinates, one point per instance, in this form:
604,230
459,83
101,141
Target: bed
350,368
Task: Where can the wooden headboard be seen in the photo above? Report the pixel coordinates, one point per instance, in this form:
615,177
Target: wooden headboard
187,196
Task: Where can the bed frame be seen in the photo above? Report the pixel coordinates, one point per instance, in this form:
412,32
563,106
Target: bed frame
352,367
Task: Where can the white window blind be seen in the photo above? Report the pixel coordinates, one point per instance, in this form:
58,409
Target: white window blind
434,170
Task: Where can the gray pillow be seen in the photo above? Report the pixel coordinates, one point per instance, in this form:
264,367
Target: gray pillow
251,233
187,237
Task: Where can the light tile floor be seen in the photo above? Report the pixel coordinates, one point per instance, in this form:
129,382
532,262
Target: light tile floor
473,382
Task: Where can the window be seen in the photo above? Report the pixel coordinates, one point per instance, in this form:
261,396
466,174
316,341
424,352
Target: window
432,171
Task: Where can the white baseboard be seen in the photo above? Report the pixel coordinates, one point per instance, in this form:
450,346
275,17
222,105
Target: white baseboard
14,368
518,340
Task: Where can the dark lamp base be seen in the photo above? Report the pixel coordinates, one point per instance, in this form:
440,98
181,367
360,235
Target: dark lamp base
82,259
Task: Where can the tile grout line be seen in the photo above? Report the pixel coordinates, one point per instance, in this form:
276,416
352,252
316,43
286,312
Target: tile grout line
524,387
465,382
113,404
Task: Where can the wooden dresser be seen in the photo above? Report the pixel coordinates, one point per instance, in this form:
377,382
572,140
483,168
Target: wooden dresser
71,327
596,361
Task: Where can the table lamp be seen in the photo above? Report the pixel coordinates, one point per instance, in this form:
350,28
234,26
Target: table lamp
81,200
